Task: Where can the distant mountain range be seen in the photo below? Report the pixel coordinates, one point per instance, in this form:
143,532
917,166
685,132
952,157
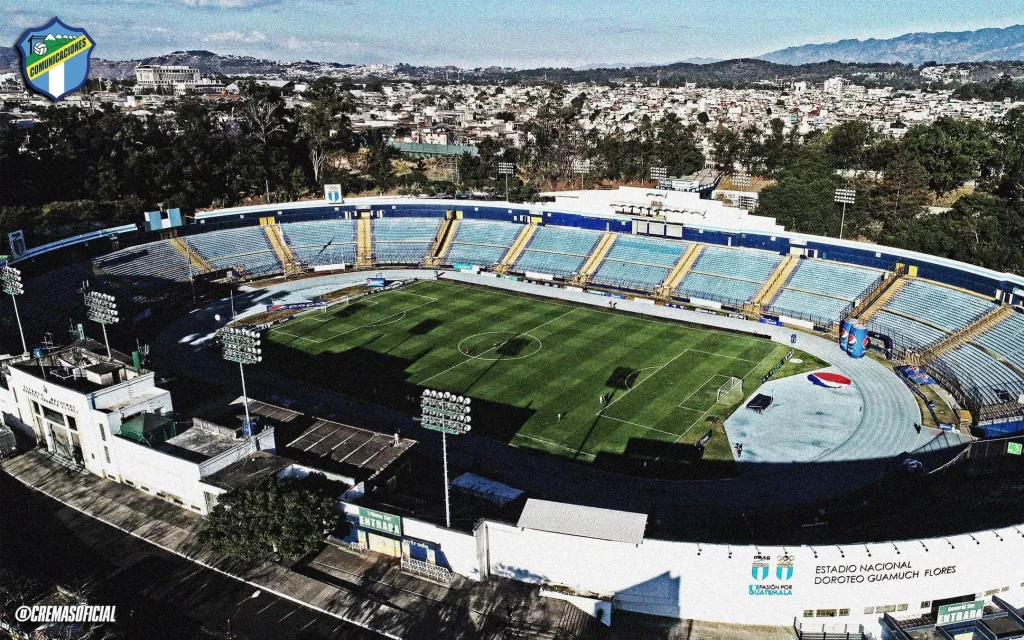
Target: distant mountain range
882,62
914,48
631,65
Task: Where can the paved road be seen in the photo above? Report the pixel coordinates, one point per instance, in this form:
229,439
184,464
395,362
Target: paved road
158,594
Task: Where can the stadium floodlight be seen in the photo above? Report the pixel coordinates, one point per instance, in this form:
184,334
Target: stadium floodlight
243,345
741,179
102,308
448,413
659,173
10,282
506,169
844,197
582,167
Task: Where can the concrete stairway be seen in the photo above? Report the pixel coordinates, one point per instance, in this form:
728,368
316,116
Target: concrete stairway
364,240
880,296
517,248
776,282
604,245
199,263
443,240
968,333
686,262
284,253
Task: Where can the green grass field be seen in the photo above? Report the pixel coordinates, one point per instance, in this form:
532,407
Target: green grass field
531,359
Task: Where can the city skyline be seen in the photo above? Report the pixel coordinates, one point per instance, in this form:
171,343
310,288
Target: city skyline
465,33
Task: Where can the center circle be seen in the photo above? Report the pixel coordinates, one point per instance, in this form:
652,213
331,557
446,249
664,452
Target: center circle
499,345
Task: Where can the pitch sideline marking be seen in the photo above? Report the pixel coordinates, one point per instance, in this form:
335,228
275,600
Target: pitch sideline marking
637,424
555,444
493,348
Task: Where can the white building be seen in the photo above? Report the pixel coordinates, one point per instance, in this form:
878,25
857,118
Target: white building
110,418
164,78
835,86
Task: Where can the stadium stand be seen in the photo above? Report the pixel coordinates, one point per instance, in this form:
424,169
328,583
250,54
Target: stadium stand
905,331
147,266
1005,339
943,307
638,263
403,240
247,248
481,242
557,251
800,304
728,275
651,251
822,290
323,242
976,368
729,290
629,275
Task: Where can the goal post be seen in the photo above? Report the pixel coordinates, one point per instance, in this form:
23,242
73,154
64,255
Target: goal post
730,391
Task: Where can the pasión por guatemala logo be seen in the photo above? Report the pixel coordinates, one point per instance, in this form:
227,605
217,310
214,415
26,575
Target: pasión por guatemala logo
759,570
55,58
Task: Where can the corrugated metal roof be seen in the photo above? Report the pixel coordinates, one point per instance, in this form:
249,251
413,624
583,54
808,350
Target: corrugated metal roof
586,522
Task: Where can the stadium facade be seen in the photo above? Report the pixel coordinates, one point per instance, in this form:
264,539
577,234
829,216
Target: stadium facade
957,321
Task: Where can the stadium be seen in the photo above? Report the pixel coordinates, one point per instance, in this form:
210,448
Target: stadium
739,424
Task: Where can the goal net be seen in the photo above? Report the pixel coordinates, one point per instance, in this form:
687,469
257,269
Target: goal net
731,391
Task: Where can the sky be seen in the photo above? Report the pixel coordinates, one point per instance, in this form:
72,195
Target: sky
476,33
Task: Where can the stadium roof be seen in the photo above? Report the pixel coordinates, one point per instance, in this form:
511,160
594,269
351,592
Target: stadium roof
496,492
585,522
365,452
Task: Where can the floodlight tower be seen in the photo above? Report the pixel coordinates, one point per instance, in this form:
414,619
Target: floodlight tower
101,308
506,169
844,196
741,179
658,174
10,282
581,166
242,345
448,413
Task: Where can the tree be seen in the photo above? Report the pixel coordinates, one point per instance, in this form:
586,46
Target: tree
261,115
848,143
903,192
675,147
803,198
379,162
1003,171
703,118
323,125
951,151
726,147
273,516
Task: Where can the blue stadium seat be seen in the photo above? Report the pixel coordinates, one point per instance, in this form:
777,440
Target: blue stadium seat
322,242
403,240
481,242
941,306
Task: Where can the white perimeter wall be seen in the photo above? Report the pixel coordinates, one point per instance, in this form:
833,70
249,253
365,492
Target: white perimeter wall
158,471
714,582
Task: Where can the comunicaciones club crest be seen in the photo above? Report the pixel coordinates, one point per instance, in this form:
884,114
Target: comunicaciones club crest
55,58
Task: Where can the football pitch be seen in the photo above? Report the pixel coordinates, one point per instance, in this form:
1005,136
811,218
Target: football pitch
536,369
